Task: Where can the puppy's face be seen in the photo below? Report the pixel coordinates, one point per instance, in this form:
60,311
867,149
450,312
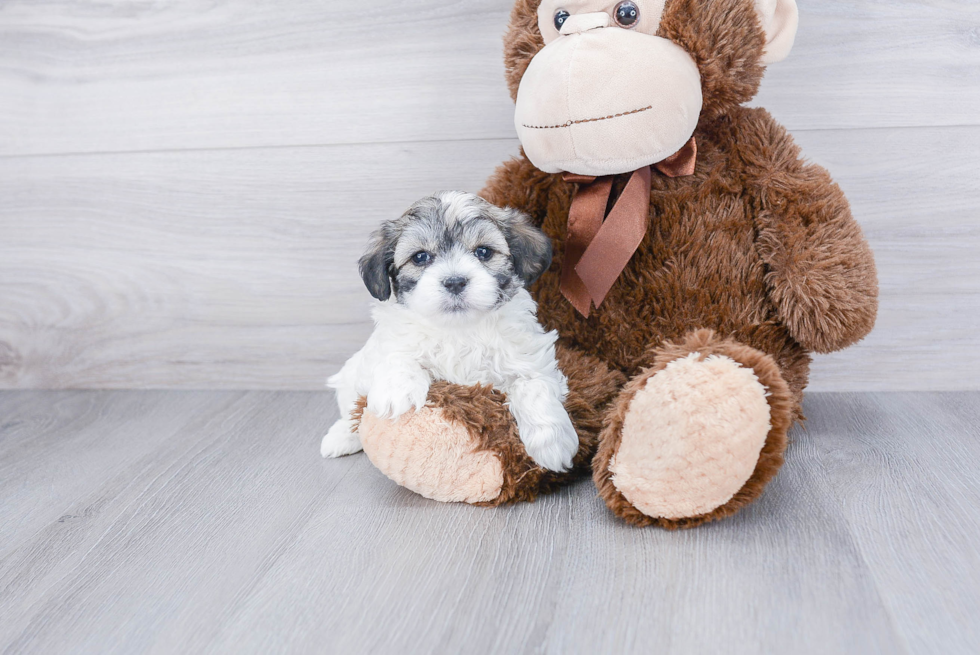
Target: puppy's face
454,255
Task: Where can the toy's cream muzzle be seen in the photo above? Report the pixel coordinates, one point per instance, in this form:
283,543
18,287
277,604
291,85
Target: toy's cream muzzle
601,100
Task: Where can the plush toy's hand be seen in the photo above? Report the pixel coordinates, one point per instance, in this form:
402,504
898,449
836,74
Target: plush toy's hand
396,393
340,440
821,272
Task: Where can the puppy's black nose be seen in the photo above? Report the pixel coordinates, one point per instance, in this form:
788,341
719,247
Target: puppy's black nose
455,284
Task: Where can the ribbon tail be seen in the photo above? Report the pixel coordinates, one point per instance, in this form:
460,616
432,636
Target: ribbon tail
584,222
577,294
617,239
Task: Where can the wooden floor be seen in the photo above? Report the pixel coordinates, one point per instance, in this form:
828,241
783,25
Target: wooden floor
182,522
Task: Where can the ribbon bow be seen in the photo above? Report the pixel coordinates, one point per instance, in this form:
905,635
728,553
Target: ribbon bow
597,250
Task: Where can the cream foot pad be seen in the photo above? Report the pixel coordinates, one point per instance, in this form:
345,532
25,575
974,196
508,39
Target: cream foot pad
691,437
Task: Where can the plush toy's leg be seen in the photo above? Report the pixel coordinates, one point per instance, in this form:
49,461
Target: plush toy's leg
464,445
695,437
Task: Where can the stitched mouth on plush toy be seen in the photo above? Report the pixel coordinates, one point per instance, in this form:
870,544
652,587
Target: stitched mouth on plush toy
587,120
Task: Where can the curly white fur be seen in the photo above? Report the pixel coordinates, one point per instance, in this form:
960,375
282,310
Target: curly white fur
505,347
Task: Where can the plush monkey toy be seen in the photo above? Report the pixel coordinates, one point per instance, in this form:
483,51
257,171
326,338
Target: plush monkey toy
698,262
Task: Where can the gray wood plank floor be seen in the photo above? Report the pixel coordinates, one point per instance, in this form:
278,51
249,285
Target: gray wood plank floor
179,522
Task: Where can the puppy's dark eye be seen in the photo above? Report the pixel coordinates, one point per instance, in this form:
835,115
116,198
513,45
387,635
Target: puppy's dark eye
421,258
627,14
483,253
560,17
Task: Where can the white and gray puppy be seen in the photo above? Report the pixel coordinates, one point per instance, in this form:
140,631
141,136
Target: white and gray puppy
451,275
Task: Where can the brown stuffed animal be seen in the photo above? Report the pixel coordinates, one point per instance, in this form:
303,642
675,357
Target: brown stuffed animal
698,262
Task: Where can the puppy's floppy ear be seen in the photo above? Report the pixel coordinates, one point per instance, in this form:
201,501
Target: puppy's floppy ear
529,247
376,263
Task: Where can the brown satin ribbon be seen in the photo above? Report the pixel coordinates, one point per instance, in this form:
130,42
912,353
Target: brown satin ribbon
597,250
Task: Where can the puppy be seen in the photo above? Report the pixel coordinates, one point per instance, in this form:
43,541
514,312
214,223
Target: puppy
451,275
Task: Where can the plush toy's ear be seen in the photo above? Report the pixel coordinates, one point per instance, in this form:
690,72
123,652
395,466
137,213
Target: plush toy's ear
529,247
375,265
780,18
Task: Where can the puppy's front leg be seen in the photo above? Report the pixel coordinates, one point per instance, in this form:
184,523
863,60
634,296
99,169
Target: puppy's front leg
401,386
546,431
341,439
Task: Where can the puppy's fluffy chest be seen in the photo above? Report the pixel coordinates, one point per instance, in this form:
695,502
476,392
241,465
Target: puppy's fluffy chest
505,345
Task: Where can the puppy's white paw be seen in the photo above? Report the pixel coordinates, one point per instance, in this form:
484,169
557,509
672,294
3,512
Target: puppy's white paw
395,394
340,440
552,445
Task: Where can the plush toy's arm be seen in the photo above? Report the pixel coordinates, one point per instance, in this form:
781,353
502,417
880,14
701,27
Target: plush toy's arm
821,276
518,184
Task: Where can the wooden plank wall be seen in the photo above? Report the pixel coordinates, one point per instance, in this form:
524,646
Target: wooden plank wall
185,187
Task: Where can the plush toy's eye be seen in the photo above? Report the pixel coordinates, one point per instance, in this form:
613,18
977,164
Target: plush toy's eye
627,14
483,253
560,17
421,258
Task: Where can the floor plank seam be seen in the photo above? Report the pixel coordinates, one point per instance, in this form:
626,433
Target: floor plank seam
857,547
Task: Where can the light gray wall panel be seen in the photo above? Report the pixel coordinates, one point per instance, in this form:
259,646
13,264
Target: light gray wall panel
203,269
185,187
916,192
79,76
234,269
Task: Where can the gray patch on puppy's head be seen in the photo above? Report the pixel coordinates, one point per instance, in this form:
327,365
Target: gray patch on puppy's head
530,248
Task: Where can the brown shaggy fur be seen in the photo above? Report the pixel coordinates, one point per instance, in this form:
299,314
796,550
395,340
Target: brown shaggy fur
726,41
522,42
757,246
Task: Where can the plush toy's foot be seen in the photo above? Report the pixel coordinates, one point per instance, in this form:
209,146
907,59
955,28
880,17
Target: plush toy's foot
464,445
695,437
432,455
